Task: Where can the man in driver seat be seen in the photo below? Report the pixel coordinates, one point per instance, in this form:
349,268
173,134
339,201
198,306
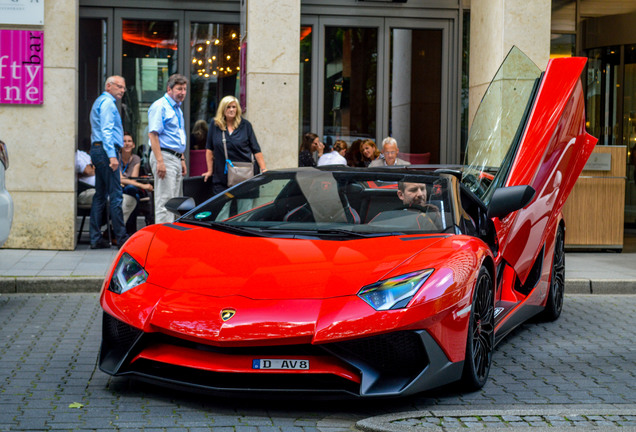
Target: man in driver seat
413,196
416,213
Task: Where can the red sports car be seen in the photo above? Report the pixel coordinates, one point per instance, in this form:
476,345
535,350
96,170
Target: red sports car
366,282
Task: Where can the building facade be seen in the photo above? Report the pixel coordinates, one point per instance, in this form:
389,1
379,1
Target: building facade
344,69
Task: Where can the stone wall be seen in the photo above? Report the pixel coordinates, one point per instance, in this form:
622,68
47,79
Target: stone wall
41,141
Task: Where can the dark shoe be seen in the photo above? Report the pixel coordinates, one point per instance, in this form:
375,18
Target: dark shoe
101,244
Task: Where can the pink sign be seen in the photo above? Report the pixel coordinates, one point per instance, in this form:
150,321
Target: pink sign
21,67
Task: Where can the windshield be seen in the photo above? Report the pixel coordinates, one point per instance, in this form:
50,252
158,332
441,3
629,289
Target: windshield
342,203
498,124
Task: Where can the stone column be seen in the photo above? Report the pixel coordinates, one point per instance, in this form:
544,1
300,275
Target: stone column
497,25
41,140
271,31
401,103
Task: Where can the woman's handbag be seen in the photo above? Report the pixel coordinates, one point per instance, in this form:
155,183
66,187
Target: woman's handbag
237,171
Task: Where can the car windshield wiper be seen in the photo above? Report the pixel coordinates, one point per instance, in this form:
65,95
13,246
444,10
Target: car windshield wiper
325,232
339,231
232,229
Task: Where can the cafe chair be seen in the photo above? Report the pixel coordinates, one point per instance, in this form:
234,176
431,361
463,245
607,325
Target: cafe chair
84,211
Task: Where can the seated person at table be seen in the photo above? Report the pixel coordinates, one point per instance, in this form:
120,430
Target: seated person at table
416,213
85,171
130,164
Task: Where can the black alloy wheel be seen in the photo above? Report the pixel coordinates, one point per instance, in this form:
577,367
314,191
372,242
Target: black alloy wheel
554,304
481,334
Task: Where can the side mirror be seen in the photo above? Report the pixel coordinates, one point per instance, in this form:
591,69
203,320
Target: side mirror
180,205
509,199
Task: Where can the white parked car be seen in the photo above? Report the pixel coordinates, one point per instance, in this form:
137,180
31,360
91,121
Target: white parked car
6,203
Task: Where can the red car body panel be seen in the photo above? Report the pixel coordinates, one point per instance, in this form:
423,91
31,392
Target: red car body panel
553,151
240,363
310,311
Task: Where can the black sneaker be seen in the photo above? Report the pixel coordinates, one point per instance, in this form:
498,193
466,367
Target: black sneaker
101,244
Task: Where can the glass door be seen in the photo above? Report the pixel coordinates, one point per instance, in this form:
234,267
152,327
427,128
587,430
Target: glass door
149,55
415,77
95,65
602,99
214,69
350,83
382,77
629,131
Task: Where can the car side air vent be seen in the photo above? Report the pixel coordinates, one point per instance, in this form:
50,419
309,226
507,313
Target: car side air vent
534,276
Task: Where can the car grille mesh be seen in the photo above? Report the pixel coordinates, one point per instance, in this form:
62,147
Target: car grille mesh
396,353
117,333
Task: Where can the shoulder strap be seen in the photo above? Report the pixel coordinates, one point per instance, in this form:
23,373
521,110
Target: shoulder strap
224,145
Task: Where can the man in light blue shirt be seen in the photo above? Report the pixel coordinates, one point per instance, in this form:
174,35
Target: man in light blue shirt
167,136
107,137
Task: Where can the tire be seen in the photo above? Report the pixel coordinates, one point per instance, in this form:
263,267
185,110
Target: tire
554,303
481,334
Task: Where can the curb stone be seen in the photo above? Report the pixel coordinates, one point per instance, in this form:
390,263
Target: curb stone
578,286
613,286
547,418
80,284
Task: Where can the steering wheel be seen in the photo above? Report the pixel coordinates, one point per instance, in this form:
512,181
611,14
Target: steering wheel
433,212
426,208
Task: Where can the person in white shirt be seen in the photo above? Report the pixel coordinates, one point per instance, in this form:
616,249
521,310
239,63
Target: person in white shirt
335,156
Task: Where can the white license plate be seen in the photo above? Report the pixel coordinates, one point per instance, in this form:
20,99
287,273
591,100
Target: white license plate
281,364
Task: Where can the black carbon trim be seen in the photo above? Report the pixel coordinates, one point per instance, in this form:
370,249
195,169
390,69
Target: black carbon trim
424,237
177,227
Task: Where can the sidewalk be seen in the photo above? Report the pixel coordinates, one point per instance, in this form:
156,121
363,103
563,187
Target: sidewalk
83,270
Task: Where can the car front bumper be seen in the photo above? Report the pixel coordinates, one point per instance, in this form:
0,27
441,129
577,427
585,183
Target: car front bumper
390,364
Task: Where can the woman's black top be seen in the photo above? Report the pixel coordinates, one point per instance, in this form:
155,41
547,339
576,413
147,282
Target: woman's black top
241,145
305,158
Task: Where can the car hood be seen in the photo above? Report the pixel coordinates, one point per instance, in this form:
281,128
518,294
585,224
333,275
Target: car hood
204,261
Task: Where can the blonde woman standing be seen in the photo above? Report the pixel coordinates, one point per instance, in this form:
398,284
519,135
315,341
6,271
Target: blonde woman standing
240,141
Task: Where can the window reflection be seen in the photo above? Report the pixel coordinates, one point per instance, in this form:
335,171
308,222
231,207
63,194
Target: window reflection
306,42
415,90
214,67
601,99
351,55
92,72
629,131
214,73
149,57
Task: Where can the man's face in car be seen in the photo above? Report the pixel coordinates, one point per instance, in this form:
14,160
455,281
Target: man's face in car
413,194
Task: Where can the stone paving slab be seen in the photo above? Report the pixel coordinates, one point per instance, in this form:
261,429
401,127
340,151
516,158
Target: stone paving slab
579,370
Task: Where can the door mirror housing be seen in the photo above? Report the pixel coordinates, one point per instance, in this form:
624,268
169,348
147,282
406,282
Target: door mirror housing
509,199
180,205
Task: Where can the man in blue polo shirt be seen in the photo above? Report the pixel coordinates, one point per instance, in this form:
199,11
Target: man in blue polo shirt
107,137
168,143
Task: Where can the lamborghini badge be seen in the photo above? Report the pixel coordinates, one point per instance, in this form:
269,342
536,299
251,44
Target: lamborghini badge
226,314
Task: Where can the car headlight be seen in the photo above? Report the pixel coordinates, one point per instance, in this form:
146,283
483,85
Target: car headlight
128,274
394,293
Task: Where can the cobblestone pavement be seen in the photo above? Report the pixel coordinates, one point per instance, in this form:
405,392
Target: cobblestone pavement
577,372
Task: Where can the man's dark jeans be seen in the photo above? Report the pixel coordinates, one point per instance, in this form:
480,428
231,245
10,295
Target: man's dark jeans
107,186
